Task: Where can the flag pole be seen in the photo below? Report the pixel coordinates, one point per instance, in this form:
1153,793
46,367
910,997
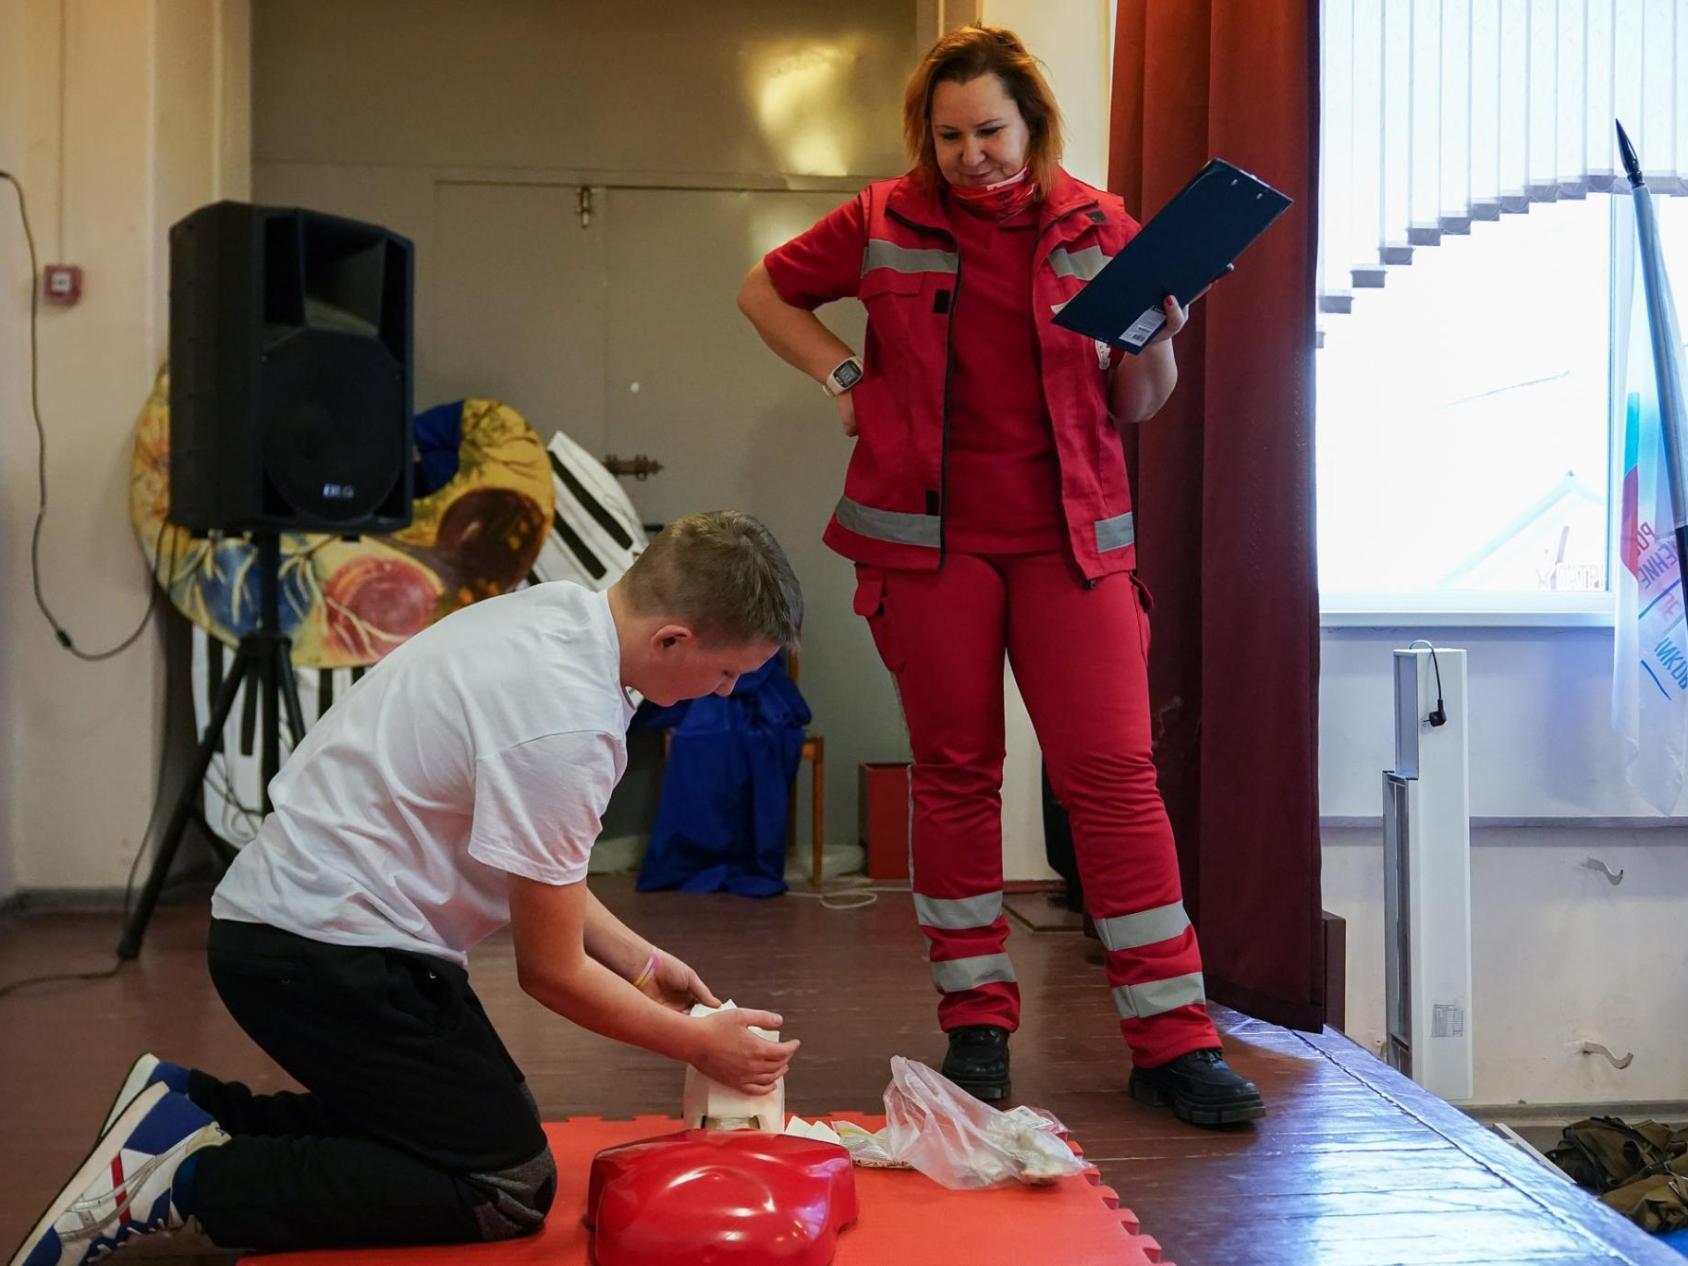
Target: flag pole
1667,365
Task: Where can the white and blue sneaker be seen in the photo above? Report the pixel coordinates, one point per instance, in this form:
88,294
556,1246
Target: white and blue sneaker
146,1071
124,1188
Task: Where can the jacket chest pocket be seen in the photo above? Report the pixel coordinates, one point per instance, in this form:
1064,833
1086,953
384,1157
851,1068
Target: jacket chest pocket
902,297
908,319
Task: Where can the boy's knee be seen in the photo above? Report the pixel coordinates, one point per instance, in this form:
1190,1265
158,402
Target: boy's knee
518,1198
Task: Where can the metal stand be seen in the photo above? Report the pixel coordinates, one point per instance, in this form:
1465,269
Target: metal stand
264,658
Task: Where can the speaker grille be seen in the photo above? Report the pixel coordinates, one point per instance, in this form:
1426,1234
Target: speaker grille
329,452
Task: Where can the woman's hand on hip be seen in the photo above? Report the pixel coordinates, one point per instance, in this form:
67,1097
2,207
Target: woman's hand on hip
847,412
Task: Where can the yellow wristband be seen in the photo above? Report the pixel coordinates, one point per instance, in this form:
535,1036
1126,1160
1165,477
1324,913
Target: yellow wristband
648,972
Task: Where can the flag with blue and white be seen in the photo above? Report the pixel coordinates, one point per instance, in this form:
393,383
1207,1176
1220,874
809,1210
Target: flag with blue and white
1650,664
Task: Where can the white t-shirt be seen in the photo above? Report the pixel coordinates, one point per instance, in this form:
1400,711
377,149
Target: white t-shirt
488,743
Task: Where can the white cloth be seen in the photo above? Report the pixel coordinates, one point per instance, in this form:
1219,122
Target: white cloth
488,743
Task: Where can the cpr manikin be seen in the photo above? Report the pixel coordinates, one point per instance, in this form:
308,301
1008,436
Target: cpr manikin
730,1189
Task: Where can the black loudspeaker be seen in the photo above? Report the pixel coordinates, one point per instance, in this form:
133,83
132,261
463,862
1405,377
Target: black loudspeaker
290,372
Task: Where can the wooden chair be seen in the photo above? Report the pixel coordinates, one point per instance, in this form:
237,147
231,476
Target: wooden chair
814,751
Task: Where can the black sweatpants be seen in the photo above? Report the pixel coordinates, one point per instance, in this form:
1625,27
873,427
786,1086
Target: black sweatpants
417,1127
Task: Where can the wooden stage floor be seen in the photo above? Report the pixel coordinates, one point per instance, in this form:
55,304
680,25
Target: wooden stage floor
1354,1164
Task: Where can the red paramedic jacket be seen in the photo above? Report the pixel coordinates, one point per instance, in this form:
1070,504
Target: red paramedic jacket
891,513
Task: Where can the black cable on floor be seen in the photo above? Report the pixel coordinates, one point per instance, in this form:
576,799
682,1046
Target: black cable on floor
147,838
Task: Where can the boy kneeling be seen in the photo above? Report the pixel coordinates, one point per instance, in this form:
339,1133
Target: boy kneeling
457,787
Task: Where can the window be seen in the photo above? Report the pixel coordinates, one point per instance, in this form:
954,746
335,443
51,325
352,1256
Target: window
1467,160
1462,435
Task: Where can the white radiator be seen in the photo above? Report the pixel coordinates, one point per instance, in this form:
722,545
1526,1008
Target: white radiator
1427,876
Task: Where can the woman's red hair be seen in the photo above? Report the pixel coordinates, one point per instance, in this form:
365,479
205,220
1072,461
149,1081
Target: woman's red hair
963,55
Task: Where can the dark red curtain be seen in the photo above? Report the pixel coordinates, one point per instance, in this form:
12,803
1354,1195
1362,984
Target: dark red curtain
1224,482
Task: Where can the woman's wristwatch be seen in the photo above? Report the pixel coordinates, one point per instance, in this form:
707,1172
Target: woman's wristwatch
847,374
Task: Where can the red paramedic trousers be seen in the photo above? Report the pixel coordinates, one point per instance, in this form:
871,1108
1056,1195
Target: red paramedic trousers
1079,658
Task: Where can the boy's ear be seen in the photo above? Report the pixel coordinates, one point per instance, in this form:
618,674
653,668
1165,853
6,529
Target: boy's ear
671,635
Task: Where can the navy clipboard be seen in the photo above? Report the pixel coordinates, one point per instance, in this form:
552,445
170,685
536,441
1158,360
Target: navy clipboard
1185,248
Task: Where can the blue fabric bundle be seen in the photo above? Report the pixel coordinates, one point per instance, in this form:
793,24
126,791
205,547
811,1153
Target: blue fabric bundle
438,435
721,822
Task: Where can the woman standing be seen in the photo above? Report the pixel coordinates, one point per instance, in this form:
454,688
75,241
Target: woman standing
987,511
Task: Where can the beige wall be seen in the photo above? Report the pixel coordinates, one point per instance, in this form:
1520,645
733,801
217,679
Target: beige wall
758,91
118,116
1073,41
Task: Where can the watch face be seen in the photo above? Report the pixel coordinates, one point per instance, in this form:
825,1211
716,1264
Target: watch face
847,375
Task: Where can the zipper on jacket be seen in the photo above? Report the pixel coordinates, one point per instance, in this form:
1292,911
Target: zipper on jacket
943,443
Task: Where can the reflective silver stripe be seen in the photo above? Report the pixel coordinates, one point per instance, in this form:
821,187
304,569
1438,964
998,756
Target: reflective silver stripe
959,974
907,259
1116,533
1083,264
1129,931
888,525
958,914
1138,1002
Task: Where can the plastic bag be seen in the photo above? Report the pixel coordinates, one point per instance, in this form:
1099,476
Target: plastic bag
868,1149
933,1125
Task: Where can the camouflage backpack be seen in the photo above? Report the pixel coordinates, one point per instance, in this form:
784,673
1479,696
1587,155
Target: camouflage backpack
1639,1170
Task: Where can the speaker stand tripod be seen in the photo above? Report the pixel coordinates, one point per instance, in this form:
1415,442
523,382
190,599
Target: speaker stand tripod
264,659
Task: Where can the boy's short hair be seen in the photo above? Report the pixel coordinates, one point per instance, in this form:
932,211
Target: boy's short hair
722,573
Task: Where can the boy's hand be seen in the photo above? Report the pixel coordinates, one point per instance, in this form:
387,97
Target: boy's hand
676,985
734,1056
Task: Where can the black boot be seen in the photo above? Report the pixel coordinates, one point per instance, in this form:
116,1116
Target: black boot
1199,1088
978,1061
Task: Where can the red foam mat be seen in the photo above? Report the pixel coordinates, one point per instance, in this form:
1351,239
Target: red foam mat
905,1218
